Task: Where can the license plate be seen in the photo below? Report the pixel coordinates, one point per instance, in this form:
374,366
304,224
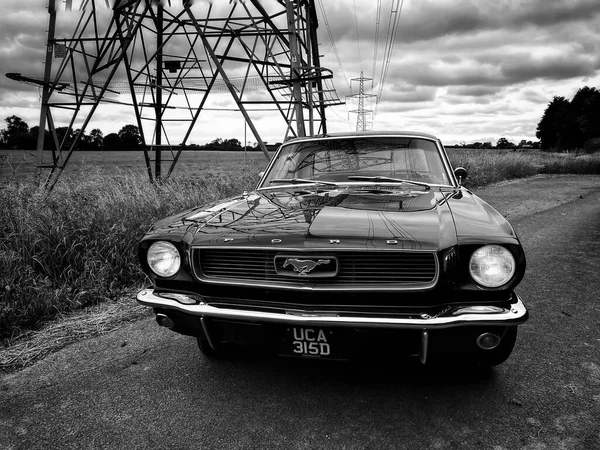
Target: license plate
312,342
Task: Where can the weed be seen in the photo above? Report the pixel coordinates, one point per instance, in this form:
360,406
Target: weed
486,167
76,246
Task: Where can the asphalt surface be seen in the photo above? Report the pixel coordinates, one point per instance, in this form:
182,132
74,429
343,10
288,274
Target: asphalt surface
145,387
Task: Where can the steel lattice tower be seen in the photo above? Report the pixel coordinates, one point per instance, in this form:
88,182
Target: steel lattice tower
361,112
146,54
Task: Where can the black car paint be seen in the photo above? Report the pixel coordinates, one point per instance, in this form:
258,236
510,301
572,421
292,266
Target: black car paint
449,220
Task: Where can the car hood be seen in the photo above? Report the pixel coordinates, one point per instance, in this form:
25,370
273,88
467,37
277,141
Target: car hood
351,218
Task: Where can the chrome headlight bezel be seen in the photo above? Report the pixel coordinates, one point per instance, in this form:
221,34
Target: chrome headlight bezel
163,259
492,266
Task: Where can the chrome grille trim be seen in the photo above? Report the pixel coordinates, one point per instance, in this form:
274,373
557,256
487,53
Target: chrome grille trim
360,269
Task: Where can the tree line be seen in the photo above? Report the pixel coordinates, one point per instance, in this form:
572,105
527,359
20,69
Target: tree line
565,125
572,124
18,135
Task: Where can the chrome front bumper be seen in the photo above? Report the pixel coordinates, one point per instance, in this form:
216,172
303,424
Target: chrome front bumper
474,315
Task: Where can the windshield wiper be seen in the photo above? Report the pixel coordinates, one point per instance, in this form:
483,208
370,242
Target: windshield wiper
302,181
388,180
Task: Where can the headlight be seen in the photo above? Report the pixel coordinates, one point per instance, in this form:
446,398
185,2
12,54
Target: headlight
163,258
492,265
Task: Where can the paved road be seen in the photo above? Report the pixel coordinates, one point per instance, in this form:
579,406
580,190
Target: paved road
144,387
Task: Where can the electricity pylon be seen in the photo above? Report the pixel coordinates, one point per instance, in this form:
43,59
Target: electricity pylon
162,60
361,112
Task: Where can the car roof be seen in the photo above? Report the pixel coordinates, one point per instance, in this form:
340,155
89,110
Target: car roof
352,134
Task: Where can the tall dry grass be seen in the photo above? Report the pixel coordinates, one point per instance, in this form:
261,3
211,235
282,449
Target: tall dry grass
488,166
76,246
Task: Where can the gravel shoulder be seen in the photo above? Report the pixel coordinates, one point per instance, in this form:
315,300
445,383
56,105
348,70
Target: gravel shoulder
524,197
514,199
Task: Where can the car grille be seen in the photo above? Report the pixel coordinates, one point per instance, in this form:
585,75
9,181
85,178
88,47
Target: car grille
357,269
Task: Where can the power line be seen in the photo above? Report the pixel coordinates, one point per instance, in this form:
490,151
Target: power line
396,11
377,21
357,35
335,50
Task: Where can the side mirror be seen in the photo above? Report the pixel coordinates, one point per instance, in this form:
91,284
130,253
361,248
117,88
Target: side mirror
461,175
260,174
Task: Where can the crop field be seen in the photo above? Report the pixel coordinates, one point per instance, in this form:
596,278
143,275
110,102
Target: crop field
21,164
76,247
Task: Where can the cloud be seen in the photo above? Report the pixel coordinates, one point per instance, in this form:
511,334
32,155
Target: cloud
461,69
523,67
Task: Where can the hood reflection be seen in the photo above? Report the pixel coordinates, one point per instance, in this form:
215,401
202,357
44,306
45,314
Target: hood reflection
407,216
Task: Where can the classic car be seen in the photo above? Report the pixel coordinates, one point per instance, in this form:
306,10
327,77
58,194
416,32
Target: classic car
351,244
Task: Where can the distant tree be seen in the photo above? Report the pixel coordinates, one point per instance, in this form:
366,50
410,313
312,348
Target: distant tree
112,141
130,137
232,145
504,143
97,138
555,124
84,141
16,134
584,112
475,145
487,145
65,135
33,131
15,125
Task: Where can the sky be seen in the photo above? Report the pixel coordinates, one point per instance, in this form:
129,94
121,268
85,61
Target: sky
463,70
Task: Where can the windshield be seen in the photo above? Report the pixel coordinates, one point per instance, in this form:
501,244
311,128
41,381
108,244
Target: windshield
338,160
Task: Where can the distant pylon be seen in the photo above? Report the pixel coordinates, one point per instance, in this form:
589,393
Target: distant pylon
361,112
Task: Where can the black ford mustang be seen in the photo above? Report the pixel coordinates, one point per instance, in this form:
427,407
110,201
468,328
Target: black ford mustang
353,243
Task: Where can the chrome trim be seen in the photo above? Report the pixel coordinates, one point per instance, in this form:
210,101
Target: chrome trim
424,345
306,273
309,250
408,287
207,334
449,317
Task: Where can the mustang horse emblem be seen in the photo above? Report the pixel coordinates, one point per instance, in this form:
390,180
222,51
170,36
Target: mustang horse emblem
304,266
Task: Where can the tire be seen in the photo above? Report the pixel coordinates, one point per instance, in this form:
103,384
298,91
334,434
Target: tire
501,353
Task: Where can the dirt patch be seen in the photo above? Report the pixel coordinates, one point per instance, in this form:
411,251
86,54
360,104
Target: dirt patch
64,330
519,198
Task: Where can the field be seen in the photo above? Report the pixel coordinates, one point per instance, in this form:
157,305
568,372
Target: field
76,246
20,165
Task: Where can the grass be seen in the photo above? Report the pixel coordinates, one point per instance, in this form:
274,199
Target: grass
75,247
487,167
